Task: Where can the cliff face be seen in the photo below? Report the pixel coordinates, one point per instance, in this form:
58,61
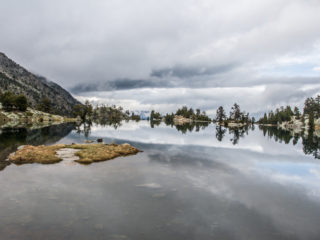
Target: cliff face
17,79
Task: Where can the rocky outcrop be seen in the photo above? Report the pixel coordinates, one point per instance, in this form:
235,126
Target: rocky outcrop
179,120
294,124
232,124
236,124
299,125
30,117
17,79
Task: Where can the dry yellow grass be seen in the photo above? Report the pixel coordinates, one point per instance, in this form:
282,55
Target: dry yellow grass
66,119
88,153
36,154
101,152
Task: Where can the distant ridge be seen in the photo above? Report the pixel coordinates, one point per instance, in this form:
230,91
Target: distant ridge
17,79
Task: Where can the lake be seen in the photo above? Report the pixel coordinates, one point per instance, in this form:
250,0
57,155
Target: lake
190,182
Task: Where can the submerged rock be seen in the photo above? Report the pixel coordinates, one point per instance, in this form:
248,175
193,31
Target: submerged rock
179,120
67,155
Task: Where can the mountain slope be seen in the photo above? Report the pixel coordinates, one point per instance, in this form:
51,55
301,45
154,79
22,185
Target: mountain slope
15,78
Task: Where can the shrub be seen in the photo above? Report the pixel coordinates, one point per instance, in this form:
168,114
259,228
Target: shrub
45,105
12,102
21,103
7,100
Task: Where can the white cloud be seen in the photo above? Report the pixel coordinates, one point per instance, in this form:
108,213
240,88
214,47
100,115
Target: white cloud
225,44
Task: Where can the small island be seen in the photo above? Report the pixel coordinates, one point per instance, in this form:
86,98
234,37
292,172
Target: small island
82,153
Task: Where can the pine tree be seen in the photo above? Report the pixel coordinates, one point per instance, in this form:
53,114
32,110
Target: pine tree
21,103
220,115
311,121
235,113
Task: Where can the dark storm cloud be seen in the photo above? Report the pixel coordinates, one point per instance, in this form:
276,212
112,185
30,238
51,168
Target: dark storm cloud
162,78
191,71
119,84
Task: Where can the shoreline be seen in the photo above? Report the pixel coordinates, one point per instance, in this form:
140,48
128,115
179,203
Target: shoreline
31,117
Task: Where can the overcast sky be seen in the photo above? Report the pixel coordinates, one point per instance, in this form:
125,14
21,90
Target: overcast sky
145,54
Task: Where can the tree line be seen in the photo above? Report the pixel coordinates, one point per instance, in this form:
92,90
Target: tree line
102,113
311,111
19,102
235,115
190,113
13,102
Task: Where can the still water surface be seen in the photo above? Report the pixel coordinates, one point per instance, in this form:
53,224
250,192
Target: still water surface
188,183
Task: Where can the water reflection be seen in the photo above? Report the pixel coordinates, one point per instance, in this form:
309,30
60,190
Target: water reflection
12,138
105,123
310,141
215,183
183,128
220,132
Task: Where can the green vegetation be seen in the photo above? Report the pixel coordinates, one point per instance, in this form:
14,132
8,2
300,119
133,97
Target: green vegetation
220,115
155,116
310,142
194,126
311,121
235,132
311,110
312,105
18,80
103,114
83,111
45,105
187,113
282,114
12,102
168,118
236,116
135,117
296,112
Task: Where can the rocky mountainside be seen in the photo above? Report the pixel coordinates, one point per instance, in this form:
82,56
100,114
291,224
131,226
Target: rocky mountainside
18,80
